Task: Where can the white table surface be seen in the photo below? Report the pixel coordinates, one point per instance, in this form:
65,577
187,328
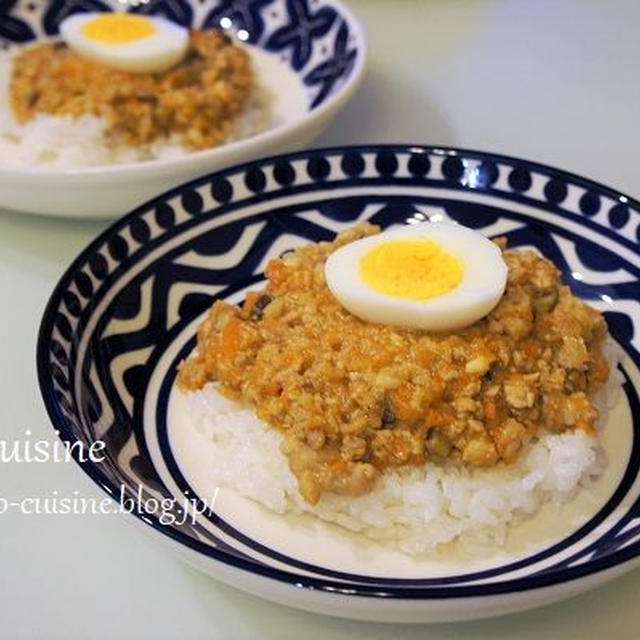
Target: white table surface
549,80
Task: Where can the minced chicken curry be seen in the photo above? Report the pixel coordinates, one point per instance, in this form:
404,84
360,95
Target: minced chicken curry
353,398
199,99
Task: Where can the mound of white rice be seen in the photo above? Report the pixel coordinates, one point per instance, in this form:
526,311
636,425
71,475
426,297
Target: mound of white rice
73,143
411,509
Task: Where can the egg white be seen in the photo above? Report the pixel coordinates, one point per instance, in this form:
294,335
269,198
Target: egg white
156,52
483,281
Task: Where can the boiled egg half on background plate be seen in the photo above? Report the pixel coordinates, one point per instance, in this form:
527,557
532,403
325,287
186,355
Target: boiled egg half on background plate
432,276
126,41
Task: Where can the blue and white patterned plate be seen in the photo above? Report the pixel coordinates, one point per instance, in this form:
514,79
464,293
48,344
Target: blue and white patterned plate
126,311
309,55
310,35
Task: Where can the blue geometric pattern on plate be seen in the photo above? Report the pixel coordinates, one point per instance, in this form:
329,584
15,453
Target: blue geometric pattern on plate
338,66
312,37
12,29
246,14
130,295
303,26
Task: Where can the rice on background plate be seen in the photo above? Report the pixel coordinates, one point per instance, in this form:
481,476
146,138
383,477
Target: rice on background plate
413,509
74,143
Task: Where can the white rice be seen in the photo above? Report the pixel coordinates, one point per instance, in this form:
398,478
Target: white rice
413,509
64,142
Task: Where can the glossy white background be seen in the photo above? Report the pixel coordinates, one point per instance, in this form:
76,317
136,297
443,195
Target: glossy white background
550,80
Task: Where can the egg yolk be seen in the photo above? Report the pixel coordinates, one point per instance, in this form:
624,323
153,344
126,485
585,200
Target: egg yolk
411,269
118,28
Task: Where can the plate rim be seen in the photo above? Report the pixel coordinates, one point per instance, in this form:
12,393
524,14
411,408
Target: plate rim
532,582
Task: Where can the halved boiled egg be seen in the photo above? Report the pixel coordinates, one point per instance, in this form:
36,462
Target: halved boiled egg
126,41
432,276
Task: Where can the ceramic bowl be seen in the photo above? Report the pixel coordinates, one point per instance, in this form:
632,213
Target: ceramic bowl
320,42
126,312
